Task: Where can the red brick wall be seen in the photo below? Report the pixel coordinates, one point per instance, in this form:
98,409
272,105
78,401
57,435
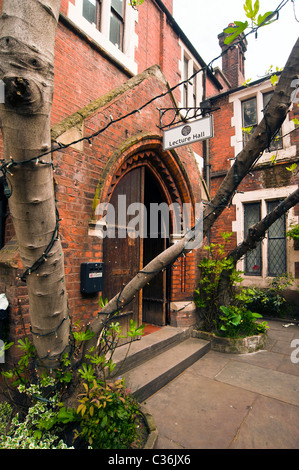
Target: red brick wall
78,174
82,75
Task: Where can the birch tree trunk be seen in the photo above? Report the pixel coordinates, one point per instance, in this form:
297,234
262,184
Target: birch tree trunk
27,36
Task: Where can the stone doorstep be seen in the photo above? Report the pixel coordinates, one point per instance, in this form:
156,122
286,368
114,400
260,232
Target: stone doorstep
148,347
152,375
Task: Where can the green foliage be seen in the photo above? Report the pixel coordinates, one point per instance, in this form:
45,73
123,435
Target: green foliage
5,417
207,294
292,168
293,232
136,3
39,429
107,414
238,322
271,301
256,20
20,374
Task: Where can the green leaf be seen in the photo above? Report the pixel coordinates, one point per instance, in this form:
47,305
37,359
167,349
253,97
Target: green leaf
266,19
250,11
292,167
224,309
274,80
236,321
256,315
235,31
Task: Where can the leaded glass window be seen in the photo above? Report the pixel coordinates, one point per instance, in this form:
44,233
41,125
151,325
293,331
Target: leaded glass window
276,244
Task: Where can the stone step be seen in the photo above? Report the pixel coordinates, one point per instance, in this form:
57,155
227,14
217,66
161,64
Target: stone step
150,376
126,357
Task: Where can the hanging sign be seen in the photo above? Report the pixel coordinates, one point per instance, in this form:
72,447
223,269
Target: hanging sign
188,133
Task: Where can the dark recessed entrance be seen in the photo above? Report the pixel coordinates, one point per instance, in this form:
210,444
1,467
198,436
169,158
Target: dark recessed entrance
155,295
124,257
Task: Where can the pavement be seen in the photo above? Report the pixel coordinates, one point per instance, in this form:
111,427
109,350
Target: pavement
232,401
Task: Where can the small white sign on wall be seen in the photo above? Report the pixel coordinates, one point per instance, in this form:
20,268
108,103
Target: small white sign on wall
188,133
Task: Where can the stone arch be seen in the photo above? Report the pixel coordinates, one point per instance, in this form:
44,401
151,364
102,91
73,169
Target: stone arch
146,150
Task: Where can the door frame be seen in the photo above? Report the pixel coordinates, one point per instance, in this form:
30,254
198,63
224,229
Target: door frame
146,150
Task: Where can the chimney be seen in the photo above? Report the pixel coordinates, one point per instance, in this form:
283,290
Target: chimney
233,59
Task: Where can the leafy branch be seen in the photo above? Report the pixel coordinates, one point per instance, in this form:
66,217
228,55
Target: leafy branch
256,20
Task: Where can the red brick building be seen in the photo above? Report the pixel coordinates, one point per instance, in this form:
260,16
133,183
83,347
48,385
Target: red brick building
110,60
240,109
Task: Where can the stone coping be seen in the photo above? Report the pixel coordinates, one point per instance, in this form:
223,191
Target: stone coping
245,345
152,428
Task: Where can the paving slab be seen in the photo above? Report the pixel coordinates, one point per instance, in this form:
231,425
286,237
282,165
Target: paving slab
272,383
196,412
270,424
228,401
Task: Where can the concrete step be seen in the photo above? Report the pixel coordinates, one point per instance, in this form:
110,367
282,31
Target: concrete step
147,378
126,357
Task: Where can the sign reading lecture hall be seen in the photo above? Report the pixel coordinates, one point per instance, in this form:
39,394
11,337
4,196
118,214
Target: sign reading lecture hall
188,133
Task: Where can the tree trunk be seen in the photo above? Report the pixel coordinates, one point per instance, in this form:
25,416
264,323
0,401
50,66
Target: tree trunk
27,68
259,141
256,234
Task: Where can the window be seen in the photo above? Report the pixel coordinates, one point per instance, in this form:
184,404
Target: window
277,141
250,120
91,10
185,86
191,89
253,259
117,23
276,244
276,241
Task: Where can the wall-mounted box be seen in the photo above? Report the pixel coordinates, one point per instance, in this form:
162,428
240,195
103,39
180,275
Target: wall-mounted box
92,277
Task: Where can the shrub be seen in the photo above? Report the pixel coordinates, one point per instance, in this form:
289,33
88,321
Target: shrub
271,301
237,322
206,295
236,319
106,417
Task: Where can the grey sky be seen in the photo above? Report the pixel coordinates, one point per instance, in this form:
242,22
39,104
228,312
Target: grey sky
202,21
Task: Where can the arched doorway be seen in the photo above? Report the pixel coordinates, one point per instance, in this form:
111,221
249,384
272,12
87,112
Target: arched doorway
143,173
137,195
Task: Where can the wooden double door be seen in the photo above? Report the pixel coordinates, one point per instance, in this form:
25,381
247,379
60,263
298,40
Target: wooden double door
137,241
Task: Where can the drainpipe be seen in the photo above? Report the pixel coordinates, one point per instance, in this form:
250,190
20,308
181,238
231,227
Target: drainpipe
206,147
